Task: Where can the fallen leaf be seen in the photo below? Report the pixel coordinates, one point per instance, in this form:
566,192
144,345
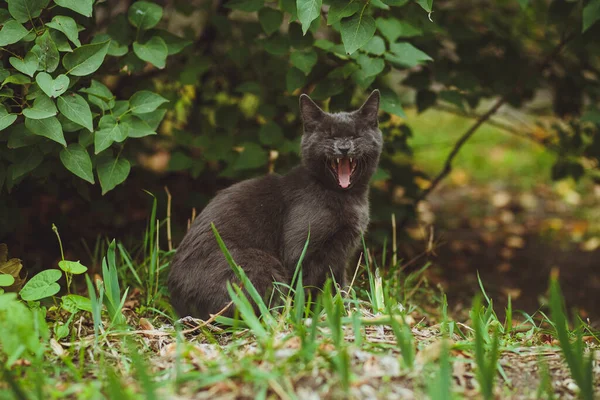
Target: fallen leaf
515,242
591,244
146,325
501,199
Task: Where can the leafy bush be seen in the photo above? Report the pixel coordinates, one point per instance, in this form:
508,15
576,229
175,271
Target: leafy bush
232,85
54,102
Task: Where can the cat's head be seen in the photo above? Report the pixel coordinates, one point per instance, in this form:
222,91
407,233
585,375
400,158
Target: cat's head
341,149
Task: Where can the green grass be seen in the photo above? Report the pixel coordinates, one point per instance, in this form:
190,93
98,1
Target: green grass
375,340
492,154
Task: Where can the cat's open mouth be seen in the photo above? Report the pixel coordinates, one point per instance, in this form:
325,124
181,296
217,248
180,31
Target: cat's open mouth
343,168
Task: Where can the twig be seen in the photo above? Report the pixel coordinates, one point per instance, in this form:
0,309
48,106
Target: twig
500,125
208,321
169,240
355,274
457,146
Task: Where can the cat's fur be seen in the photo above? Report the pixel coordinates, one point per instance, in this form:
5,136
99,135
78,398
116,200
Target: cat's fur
265,221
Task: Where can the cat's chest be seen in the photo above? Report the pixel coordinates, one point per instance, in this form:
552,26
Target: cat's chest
326,219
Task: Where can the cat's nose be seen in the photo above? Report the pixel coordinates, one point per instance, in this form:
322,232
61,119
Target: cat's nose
344,148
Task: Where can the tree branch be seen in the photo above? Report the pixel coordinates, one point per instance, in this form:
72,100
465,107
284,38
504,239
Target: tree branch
457,146
497,124
483,118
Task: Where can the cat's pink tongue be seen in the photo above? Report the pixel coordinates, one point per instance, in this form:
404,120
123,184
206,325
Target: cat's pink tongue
344,172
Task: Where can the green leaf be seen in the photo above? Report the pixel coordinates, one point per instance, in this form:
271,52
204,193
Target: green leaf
276,44
47,127
270,19
27,162
62,44
47,52
100,95
342,9
304,61
174,43
154,51
120,108
41,285
523,3
299,40
591,116
327,88
453,97
393,28
43,107
379,4
67,124
371,66
12,32
17,79
180,161
74,302
427,5
152,119
19,136
324,44
144,15
375,46
4,16
252,156
135,127
112,171
396,3
271,134
390,103
361,79
308,11
6,279
85,59
110,131
289,6
66,25
406,55
145,101
28,65
294,79
76,159
357,31
75,108
52,87
83,7
73,267
114,49
6,119
26,10
591,14
245,5
249,87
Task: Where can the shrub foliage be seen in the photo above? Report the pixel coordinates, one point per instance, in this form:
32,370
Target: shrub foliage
86,85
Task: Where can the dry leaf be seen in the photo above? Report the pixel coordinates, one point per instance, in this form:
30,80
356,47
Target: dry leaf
591,244
500,199
146,325
515,242
57,348
432,352
11,267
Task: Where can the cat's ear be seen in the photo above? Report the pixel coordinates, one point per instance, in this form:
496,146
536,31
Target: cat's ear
368,111
309,111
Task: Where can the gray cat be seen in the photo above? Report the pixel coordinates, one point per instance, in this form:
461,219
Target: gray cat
265,221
